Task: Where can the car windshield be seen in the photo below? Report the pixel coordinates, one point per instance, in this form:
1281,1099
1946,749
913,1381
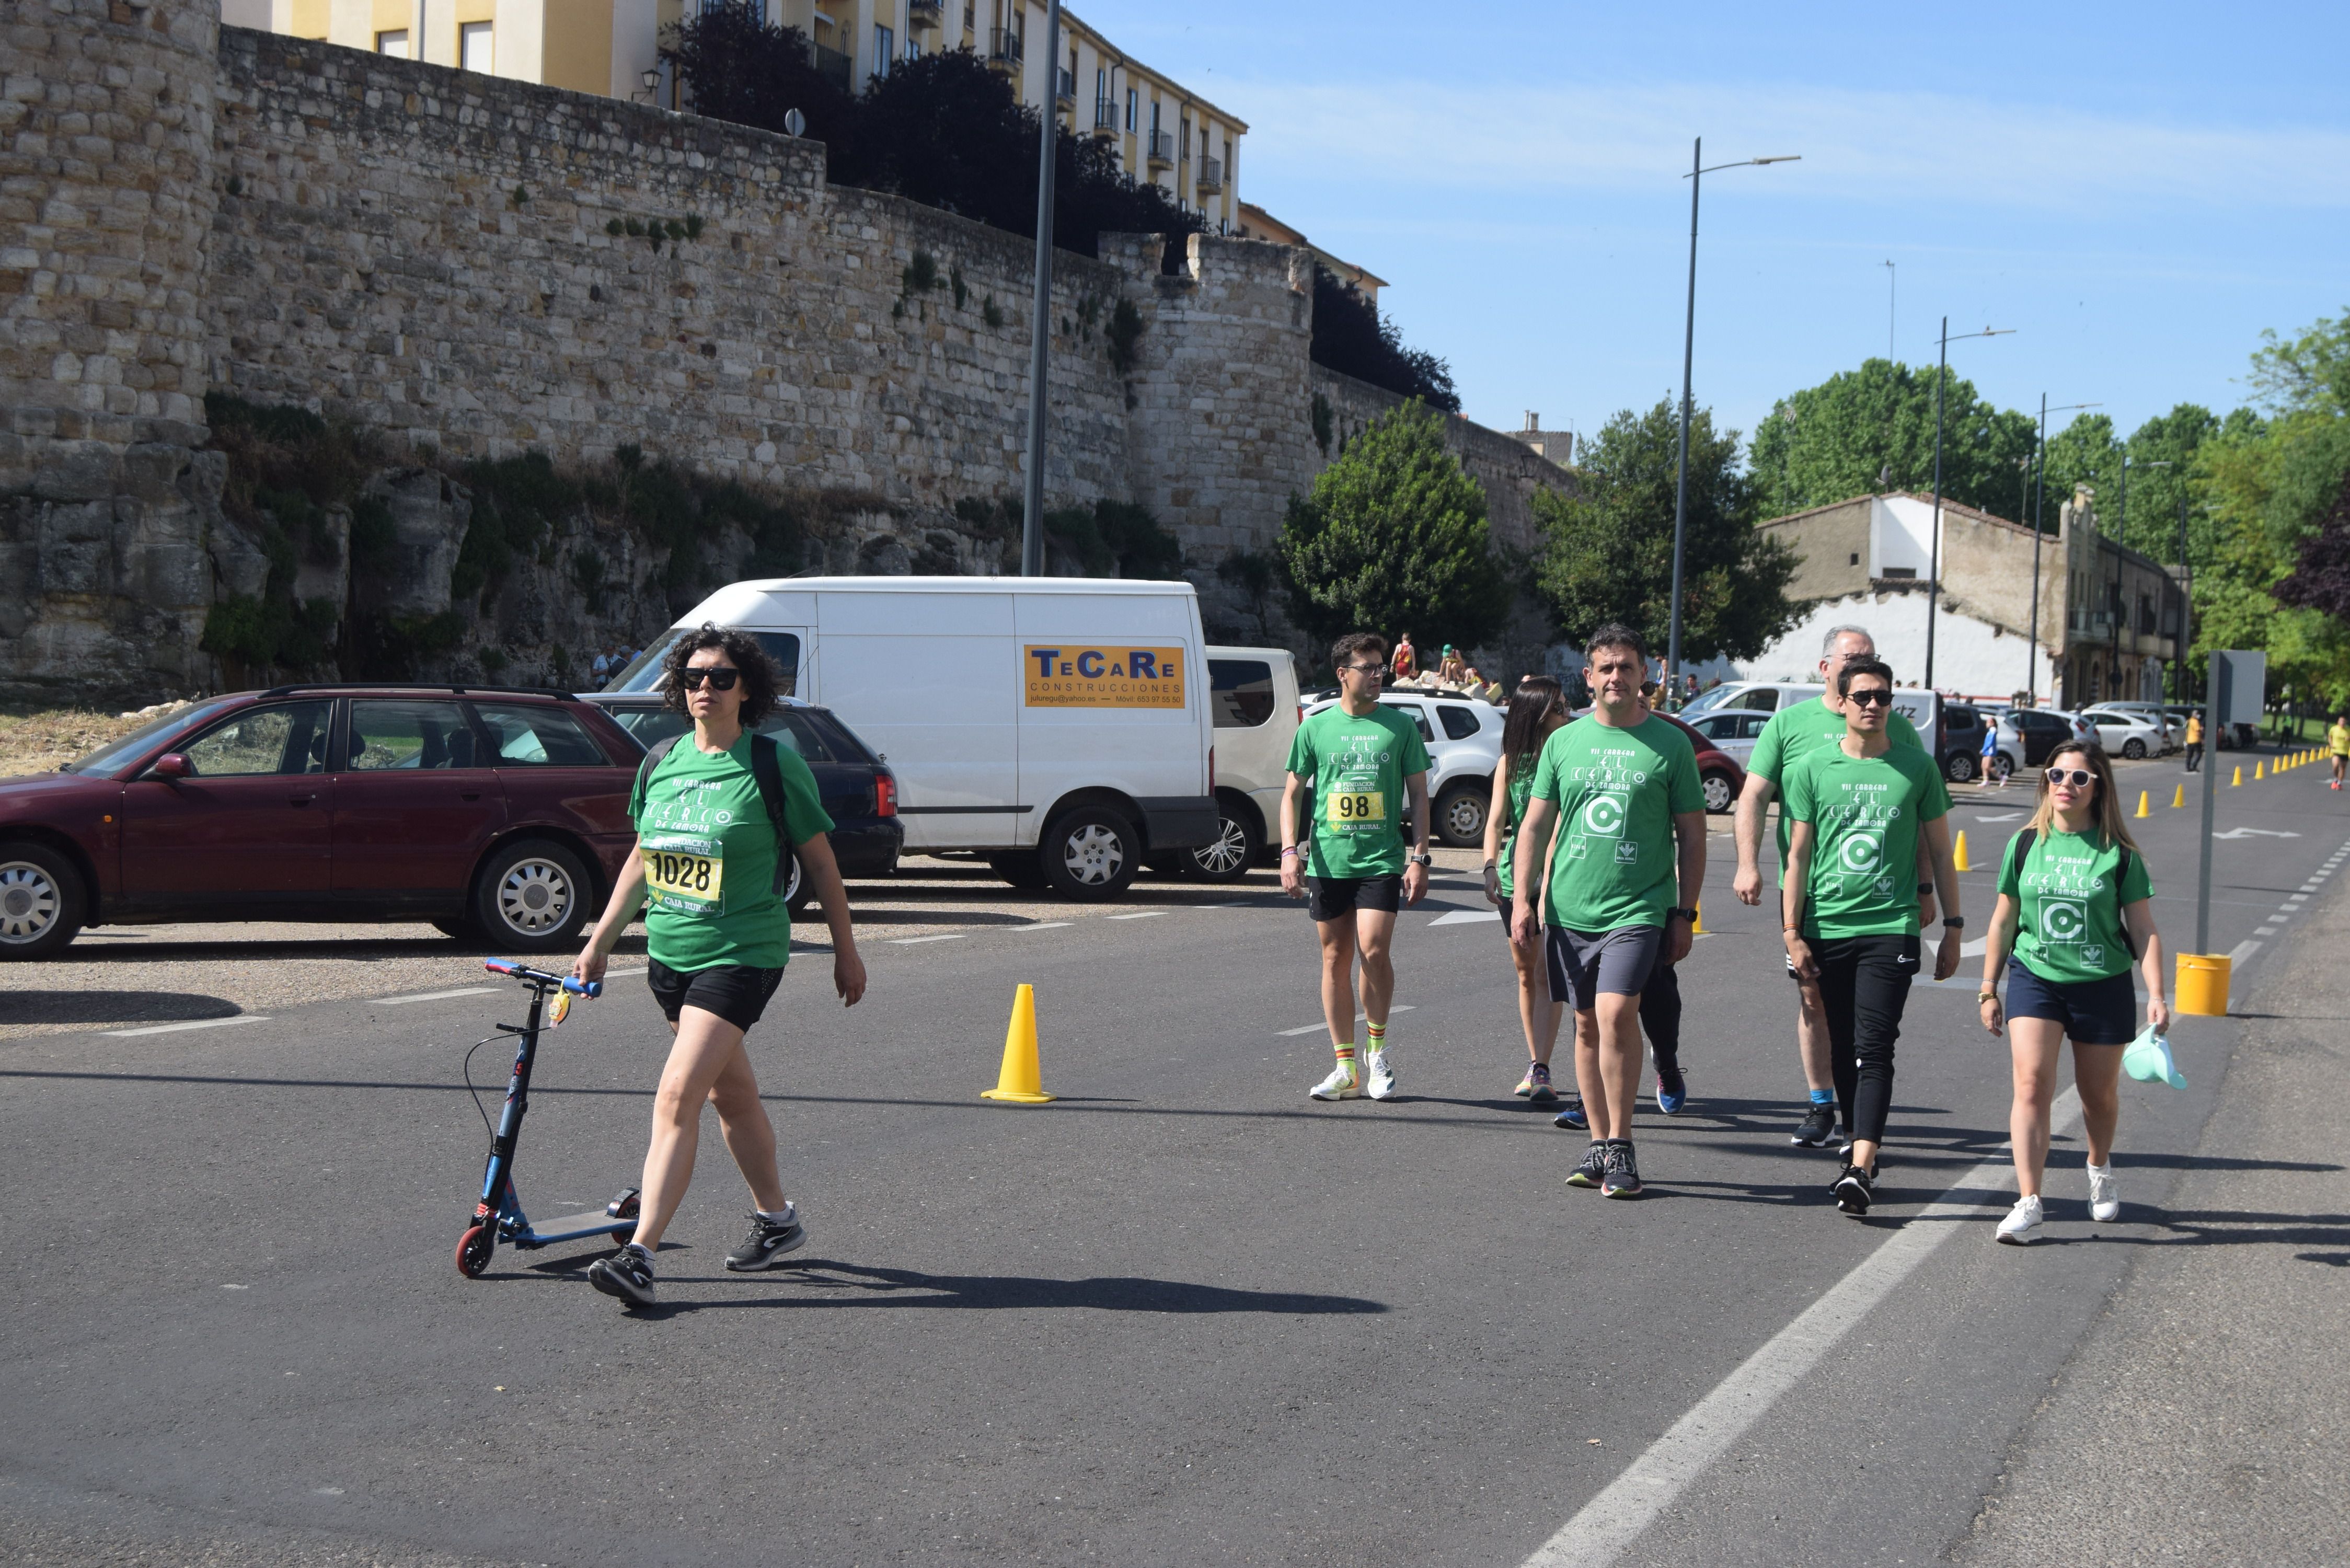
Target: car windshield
1706,700
117,753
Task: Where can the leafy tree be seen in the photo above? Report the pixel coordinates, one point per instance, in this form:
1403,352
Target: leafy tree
1873,430
1394,537
737,68
1352,337
2312,371
1608,553
2321,578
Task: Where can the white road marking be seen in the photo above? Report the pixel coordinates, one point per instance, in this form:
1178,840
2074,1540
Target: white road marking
911,942
625,973
2267,930
1287,1033
2244,950
1998,816
1145,915
1042,926
434,995
199,1024
1466,917
1611,1521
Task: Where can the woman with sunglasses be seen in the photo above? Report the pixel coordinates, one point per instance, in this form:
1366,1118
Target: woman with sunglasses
718,936
1537,708
2076,905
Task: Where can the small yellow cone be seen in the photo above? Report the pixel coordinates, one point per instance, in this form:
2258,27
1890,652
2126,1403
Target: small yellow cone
1697,927
2141,804
2237,780
2178,797
2256,773
1959,852
1021,1083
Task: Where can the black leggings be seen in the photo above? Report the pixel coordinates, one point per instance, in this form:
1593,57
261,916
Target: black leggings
1660,1013
1865,984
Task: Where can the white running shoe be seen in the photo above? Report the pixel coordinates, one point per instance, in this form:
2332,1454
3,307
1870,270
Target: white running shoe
2021,1222
1341,1085
1382,1076
2104,1195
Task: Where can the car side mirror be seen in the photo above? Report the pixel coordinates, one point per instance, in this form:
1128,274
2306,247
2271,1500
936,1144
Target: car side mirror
170,765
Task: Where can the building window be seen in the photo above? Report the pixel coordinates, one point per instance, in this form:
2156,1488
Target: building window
913,48
885,44
1133,108
1183,143
473,47
394,43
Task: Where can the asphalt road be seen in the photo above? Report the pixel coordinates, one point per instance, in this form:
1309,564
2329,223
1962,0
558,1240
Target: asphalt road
1182,1315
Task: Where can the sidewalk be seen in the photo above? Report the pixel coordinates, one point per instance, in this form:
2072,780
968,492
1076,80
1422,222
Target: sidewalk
2203,1419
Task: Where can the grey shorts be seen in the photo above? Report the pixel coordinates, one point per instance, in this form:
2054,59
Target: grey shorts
1585,963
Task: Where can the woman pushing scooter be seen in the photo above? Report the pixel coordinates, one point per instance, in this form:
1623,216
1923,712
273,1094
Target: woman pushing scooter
710,859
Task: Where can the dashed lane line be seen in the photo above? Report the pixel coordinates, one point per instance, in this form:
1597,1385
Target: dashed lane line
1140,915
198,1023
1043,926
2243,951
434,995
916,941
1310,1028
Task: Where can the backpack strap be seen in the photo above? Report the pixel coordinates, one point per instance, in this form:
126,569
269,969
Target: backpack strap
2019,848
652,765
767,768
2121,875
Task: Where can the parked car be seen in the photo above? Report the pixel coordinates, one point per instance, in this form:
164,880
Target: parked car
1732,734
857,791
1254,702
2163,718
2036,732
1922,708
1962,737
496,814
1463,736
2124,733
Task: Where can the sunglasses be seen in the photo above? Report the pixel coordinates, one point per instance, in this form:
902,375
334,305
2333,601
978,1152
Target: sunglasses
1365,668
1873,697
2079,778
722,677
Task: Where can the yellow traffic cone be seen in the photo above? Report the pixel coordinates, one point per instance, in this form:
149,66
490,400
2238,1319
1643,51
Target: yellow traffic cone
2141,804
1697,927
1959,852
2238,779
2256,773
2178,797
1021,1083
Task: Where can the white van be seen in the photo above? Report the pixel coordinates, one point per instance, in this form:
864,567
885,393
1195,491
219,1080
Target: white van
1059,727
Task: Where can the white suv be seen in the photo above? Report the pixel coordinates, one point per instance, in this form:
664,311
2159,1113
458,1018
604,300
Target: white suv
1463,736
1252,698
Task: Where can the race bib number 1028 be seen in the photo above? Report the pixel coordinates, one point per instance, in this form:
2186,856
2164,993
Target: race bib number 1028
688,878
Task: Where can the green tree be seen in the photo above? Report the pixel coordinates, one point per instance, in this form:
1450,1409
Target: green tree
1608,553
2312,371
1872,429
1394,538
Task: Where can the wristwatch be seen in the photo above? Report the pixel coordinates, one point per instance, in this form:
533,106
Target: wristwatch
1689,915
1421,859
1954,922
1924,889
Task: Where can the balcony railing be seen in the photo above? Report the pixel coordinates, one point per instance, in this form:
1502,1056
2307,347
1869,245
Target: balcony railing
835,66
921,13
1064,86
1106,117
1004,50
1162,148
1212,175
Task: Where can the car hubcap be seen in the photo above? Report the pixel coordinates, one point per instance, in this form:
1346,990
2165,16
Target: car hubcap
792,882
1092,855
28,902
1717,795
1466,819
534,897
1226,853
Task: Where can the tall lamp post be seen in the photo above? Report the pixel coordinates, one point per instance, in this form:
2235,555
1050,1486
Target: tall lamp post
1688,346
2039,495
1032,526
1934,548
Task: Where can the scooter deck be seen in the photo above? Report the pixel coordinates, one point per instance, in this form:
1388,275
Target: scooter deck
569,1228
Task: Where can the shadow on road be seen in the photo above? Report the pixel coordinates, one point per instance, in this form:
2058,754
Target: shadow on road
116,1007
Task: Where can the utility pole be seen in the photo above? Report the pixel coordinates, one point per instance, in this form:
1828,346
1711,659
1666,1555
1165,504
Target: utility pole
2039,497
1040,308
1934,549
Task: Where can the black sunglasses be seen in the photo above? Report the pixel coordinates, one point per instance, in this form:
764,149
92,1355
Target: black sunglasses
1874,697
2079,778
722,677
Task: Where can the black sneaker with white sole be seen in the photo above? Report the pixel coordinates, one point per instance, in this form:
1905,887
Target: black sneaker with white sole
1843,1152
1818,1126
1593,1170
1854,1189
769,1240
627,1273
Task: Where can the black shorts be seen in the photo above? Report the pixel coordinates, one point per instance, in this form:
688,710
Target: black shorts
1335,898
2093,1012
1583,964
736,992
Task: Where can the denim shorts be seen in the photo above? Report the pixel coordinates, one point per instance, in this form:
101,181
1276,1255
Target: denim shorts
2093,1012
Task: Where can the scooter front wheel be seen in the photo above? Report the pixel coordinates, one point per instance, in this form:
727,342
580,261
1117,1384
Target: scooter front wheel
474,1250
625,1208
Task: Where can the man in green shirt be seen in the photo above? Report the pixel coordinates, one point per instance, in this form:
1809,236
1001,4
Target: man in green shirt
1352,767
1849,909
1621,786
1791,734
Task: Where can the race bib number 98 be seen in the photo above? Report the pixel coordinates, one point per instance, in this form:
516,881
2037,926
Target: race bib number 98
1357,808
685,880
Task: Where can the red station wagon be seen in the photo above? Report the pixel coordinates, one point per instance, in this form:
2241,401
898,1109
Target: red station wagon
497,814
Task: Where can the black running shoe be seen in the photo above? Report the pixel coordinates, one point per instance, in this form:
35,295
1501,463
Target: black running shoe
1854,1189
1843,1152
769,1240
627,1273
1623,1178
1573,1115
1594,1168
1819,1127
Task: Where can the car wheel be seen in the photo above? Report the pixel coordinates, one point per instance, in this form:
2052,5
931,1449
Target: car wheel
1228,859
2001,768
799,894
41,902
2134,750
1961,768
1090,853
1461,815
532,896
1718,796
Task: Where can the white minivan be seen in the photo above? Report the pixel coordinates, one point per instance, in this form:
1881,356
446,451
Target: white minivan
1059,727
1253,695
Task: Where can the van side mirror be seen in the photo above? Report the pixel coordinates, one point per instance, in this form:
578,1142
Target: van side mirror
170,765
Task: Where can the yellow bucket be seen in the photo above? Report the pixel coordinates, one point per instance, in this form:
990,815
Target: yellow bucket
2202,984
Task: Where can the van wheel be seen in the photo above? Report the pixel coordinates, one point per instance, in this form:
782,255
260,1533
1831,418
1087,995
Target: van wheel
41,902
1961,768
1020,869
1460,813
1228,859
532,896
1090,853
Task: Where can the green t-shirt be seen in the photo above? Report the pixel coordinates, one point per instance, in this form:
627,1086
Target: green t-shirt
1617,791
1866,813
709,852
1356,767
2068,923
1791,734
1520,790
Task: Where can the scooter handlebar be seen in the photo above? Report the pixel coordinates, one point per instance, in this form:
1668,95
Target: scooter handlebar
587,988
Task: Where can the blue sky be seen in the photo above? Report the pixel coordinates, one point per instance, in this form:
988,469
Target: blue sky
2138,190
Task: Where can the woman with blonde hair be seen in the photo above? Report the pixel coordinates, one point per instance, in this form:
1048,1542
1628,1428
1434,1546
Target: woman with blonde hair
1536,709
2076,905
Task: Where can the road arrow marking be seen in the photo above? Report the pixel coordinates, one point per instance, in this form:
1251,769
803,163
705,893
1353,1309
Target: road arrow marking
2255,832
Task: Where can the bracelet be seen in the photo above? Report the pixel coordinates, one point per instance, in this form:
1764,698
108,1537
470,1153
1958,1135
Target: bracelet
1288,850
1986,994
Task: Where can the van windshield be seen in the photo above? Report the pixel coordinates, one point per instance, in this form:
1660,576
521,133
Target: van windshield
643,673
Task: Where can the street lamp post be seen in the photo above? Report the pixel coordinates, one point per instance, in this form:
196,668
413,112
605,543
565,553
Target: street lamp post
1934,548
2186,607
2039,497
1032,526
1688,348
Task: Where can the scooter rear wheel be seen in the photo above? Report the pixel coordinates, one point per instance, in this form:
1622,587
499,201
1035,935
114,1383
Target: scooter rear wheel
474,1250
625,1208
